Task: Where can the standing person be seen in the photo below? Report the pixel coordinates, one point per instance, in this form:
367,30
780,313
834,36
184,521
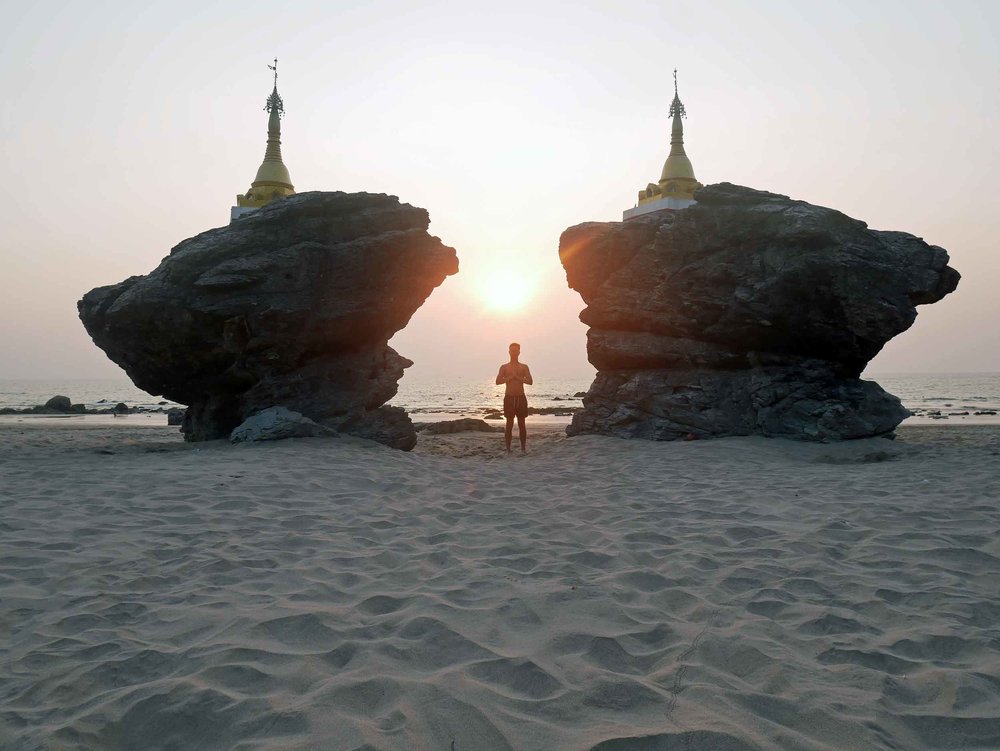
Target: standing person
515,404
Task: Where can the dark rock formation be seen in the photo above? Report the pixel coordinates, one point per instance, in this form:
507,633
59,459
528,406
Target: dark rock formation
292,305
81,409
460,425
59,404
496,414
747,313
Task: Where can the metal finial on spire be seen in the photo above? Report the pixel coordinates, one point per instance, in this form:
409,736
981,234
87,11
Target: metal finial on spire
275,69
676,108
675,77
274,101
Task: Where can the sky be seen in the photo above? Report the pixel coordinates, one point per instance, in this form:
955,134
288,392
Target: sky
127,128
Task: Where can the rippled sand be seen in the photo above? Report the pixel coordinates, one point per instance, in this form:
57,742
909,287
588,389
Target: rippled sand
596,594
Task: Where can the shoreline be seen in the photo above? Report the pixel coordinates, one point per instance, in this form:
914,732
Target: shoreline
153,419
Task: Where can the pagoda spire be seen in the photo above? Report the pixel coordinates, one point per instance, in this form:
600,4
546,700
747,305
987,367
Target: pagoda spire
677,165
679,169
677,184
275,69
272,180
676,108
276,107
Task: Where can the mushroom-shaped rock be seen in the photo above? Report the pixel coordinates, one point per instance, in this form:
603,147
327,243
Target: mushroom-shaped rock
747,313
292,305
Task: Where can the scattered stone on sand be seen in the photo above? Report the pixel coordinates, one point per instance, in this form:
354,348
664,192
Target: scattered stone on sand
457,426
276,423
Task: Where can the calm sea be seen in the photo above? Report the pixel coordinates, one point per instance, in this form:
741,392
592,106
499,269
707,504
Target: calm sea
947,394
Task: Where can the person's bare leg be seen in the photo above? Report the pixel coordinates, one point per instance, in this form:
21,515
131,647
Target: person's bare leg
508,432
522,433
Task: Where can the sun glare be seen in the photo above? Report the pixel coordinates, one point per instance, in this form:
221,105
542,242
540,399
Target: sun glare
504,291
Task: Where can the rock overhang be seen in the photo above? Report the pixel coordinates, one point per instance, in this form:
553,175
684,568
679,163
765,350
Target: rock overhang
745,292
292,305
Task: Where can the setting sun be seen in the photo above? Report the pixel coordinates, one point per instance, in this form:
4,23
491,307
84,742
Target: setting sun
505,290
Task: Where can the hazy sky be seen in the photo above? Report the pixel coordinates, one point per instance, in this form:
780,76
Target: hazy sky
126,129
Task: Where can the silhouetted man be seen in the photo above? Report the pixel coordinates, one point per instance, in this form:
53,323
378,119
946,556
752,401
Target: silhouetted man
515,404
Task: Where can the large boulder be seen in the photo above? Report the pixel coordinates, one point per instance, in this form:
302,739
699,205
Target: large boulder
59,404
747,313
291,305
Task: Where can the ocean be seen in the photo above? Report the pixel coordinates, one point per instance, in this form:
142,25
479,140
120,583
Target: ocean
932,397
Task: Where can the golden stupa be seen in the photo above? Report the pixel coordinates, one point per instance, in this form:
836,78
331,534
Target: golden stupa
677,184
272,180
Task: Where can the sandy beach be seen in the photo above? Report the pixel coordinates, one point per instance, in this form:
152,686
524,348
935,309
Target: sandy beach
722,595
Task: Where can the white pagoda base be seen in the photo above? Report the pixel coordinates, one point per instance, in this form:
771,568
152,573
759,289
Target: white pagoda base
660,204
237,211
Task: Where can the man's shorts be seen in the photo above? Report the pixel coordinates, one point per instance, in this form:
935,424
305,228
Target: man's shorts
515,405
